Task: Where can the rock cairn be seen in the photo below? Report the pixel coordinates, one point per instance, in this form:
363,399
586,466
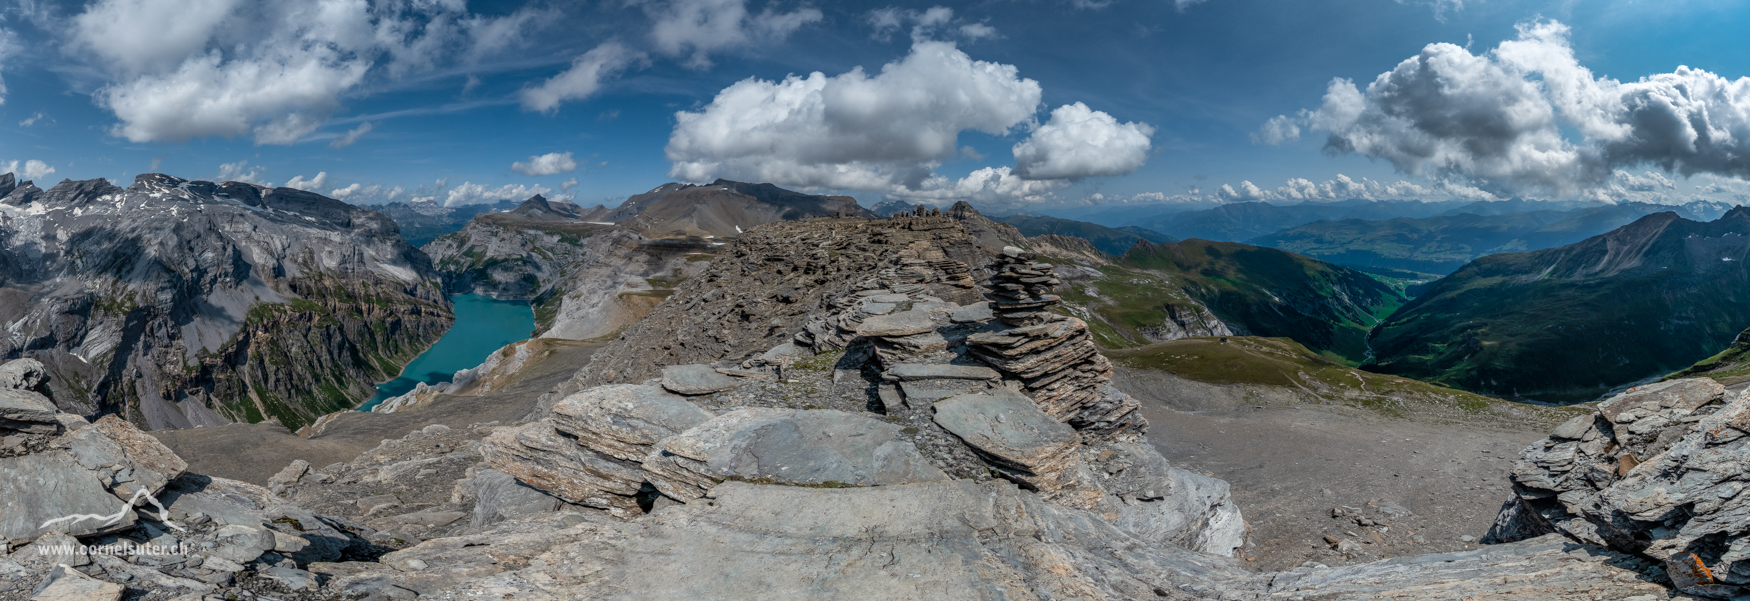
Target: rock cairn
1052,354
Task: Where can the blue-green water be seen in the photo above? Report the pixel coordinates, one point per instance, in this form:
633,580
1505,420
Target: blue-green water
482,325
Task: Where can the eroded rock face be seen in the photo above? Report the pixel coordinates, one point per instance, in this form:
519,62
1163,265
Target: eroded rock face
1656,470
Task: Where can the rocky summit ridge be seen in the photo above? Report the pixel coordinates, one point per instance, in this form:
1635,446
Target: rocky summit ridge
833,408
175,303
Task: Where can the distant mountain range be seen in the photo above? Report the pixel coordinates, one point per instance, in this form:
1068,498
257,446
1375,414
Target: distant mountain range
1112,241
1568,323
1443,243
723,208
422,221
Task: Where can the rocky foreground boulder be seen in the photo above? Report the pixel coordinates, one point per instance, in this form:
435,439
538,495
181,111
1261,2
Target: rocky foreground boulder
839,461
1655,471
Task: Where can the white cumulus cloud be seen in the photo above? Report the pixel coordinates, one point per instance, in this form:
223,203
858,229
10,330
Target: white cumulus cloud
240,171
472,193
31,169
1080,142
546,164
1496,121
314,184
358,193
8,47
1277,131
1342,188
852,130
275,71
890,131
991,185
695,29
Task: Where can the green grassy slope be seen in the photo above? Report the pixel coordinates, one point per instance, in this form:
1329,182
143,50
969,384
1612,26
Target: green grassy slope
1284,363
1268,292
1568,323
1729,367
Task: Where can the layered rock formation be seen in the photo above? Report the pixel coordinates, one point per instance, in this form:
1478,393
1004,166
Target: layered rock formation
1655,471
177,303
1051,354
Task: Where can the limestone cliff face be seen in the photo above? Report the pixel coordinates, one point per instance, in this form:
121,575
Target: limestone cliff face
177,303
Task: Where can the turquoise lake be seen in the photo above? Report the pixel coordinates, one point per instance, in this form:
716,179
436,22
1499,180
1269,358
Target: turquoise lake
483,325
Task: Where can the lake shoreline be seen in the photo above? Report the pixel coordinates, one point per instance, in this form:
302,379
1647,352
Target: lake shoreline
483,325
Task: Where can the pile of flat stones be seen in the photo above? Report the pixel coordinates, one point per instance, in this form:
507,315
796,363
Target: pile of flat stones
1051,354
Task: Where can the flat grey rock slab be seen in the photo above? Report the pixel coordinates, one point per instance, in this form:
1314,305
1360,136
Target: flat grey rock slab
890,396
787,446
1008,426
877,308
48,485
292,578
27,411
889,298
933,371
1683,396
696,379
905,323
623,420
500,497
924,392
973,313
67,584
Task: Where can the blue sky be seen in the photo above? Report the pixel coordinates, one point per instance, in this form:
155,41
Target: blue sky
1010,103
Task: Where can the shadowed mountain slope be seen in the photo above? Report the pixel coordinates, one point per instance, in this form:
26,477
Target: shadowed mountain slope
1568,323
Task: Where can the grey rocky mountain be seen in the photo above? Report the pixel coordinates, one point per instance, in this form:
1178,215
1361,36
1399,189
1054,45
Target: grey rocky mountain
177,303
881,425
723,208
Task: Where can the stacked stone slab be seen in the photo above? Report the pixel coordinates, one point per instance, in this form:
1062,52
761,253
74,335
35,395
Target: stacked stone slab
1051,354
589,451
